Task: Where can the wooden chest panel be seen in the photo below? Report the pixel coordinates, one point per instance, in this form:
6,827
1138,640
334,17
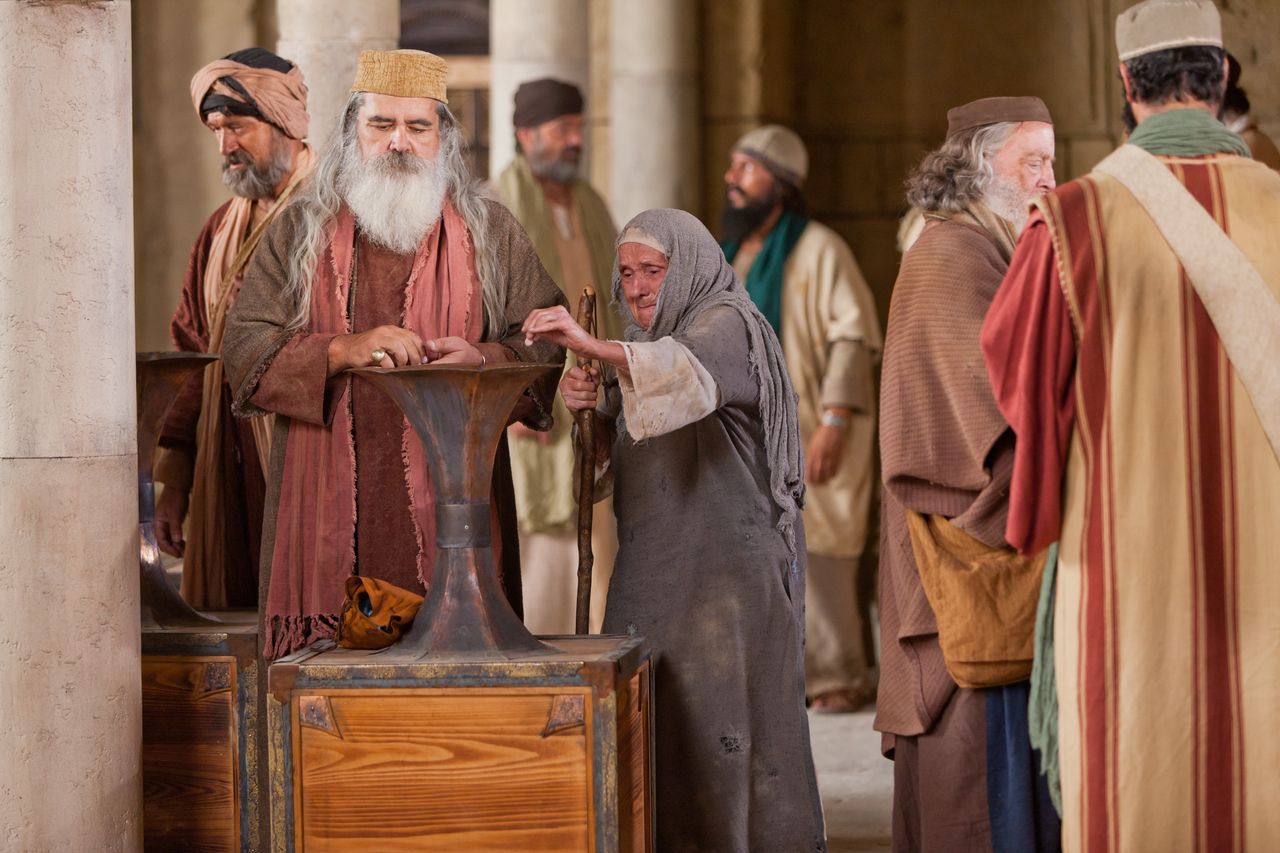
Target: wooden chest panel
387,752
635,769
443,769
202,696
189,753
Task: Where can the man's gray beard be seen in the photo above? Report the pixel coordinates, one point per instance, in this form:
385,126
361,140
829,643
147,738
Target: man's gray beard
556,171
396,197
1009,201
257,180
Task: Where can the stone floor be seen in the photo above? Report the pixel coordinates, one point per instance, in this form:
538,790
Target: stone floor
855,781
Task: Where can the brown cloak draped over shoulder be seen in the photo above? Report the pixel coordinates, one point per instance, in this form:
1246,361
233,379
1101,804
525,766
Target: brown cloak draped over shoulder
233,581
945,448
271,367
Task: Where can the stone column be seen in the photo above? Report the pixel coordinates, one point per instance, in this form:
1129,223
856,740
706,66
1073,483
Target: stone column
70,700
325,37
529,39
653,106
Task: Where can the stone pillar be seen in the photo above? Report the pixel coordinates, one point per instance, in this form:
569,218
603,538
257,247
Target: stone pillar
653,106
529,39
70,701
325,37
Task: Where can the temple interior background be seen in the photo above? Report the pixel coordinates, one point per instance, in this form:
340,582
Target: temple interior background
866,84
670,85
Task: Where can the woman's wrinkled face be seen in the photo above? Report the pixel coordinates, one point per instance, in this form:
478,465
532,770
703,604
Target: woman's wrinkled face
642,270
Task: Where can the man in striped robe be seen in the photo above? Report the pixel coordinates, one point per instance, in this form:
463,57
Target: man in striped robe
1144,452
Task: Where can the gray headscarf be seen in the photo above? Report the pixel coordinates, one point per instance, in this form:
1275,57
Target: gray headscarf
699,278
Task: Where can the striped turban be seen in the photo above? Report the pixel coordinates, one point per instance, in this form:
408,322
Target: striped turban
253,82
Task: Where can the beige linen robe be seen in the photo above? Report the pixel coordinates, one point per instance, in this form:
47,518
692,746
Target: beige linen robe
826,303
1140,450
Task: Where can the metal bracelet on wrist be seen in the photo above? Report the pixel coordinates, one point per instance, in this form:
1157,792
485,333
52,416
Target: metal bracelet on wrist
831,419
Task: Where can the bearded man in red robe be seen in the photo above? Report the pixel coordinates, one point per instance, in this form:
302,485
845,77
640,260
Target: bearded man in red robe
255,104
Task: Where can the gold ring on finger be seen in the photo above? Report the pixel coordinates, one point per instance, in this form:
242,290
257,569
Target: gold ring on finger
378,355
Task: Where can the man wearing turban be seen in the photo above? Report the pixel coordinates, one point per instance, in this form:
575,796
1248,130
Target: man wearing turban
390,257
572,230
255,103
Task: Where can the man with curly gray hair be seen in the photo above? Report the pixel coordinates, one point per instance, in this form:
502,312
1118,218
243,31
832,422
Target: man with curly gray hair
963,766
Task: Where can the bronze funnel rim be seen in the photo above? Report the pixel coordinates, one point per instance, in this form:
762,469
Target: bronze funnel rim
504,367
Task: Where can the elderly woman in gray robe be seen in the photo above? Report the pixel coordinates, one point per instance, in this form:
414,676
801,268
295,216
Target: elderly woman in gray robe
702,443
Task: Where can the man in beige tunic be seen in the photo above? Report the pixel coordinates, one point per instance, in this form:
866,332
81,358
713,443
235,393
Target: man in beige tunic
573,233
803,278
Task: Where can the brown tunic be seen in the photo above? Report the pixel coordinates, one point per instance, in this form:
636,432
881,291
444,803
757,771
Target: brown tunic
945,450
944,447
386,532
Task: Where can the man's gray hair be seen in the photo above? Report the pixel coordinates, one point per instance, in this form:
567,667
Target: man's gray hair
318,207
958,173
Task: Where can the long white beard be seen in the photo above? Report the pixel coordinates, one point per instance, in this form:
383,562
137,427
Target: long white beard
396,197
1009,201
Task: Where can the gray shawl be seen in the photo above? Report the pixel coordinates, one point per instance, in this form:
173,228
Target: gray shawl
699,278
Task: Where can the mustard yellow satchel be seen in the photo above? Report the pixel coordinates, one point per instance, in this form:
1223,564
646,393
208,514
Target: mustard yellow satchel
984,600
375,614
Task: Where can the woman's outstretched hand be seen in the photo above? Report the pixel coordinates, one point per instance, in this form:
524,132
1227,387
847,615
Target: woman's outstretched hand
555,325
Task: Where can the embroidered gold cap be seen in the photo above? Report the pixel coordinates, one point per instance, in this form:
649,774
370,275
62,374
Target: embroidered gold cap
780,148
402,73
1164,24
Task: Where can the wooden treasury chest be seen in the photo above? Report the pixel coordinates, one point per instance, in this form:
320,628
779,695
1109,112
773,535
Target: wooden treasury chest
382,751
202,733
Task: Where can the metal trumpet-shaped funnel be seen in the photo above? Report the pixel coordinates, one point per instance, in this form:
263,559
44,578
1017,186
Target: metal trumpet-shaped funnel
459,414
161,376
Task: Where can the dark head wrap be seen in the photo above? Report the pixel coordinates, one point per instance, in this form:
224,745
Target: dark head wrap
698,279
541,101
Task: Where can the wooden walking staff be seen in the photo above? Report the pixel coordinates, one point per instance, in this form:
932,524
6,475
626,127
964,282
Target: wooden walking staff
586,422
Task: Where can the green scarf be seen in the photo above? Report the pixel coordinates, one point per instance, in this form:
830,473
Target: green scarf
1186,133
1042,713
764,280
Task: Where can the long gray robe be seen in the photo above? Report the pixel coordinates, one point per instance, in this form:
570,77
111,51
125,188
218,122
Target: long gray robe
706,573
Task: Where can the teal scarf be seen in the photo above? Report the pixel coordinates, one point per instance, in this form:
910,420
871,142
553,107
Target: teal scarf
764,280
1186,133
